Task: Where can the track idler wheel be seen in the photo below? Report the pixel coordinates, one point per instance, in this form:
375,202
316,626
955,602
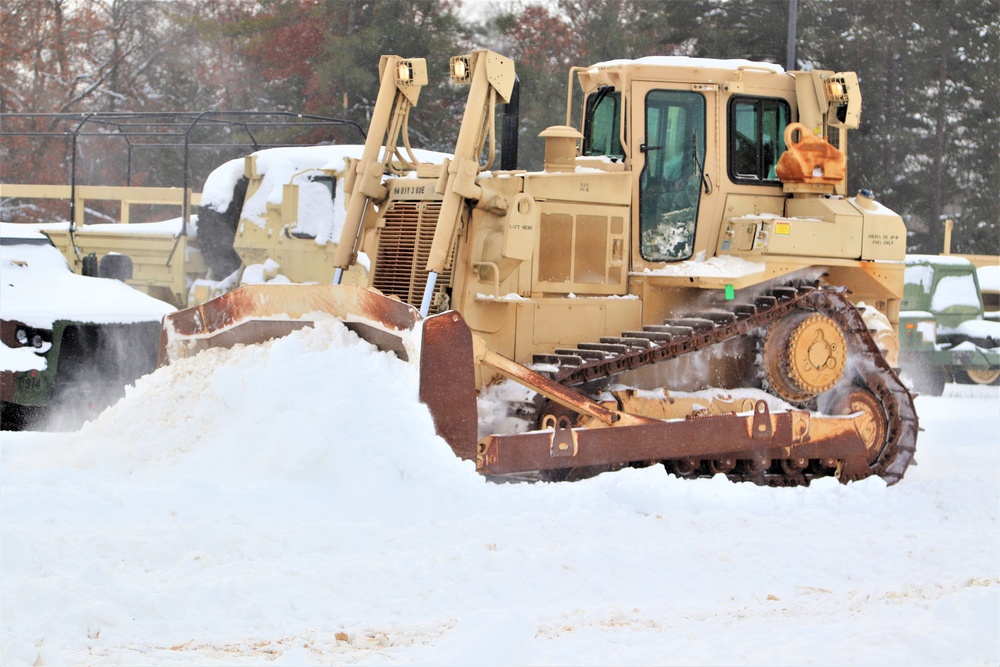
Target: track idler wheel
873,422
804,356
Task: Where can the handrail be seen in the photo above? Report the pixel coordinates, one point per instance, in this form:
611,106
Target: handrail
79,194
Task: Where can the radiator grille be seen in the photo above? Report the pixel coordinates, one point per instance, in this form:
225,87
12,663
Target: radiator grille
403,247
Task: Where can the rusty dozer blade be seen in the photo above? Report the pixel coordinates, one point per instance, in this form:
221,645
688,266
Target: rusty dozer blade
256,313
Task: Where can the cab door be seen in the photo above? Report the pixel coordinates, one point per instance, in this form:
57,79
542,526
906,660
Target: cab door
672,154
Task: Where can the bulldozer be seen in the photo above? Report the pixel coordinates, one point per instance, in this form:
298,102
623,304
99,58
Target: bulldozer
686,282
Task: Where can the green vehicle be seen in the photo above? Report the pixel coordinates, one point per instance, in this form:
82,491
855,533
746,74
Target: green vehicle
944,333
69,344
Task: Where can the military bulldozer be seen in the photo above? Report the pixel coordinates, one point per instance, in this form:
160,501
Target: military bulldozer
686,282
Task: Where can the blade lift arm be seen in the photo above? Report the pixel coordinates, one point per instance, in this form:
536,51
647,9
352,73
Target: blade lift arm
401,81
489,75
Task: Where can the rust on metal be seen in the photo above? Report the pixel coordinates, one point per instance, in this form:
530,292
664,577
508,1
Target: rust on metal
448,381
721,438
6,385
889,423
762,428
872,420
554,391
564,442
255,313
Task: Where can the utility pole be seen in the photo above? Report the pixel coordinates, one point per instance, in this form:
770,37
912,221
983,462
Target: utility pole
793,19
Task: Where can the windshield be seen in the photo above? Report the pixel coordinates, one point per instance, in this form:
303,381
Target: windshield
955,292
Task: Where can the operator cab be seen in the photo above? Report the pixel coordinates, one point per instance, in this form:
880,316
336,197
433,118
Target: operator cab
671,158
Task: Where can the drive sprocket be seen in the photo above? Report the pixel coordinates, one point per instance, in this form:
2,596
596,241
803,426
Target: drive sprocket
805,355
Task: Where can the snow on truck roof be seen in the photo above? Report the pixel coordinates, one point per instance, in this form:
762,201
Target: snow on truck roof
12,233
950,260
38,287
685,61
279,165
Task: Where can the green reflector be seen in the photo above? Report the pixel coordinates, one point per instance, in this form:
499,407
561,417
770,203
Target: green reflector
730,293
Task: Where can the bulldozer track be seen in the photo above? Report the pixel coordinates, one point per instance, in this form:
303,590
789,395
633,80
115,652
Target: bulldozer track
590,364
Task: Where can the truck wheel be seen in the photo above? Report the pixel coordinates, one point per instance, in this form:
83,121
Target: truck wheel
116,267
14,417
990,376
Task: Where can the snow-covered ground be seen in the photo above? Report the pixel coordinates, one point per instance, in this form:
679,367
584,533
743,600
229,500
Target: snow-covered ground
289,504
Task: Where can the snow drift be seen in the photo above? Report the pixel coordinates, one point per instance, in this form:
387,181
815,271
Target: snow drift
289,503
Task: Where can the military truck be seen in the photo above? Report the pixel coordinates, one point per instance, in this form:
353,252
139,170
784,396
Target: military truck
187,261
273,215
69,344
945,335
682,283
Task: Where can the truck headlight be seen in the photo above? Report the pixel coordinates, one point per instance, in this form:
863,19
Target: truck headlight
33,339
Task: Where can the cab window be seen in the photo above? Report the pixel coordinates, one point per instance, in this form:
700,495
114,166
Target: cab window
756,138
672,174
602,127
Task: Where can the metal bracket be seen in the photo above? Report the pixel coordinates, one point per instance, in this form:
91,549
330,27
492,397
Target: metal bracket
564,442
761,428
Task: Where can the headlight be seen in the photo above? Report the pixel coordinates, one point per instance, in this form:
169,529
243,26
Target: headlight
26,338
404,73
461,69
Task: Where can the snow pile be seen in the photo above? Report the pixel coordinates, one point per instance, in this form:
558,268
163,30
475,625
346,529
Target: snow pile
172,227
291,429
955,292
290,504
953,260
920,274
685,61
985,332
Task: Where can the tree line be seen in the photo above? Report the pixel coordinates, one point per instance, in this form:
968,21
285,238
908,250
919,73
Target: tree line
927,147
